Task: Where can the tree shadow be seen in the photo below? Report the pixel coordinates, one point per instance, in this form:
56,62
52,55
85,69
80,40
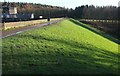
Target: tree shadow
55,64
70,43
59,62
97,32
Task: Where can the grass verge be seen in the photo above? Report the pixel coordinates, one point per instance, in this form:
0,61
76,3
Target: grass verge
62,48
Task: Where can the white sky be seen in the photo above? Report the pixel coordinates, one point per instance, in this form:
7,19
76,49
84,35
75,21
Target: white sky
71,3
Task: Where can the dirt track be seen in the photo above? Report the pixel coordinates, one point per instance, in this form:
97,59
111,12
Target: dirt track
7,33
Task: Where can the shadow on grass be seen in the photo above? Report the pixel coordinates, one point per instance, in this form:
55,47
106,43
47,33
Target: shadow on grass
96,31
47,63
70,43
61,61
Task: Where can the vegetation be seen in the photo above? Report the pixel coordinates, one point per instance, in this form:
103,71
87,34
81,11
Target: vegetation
63,48
38,9
82,12
110,27
97,13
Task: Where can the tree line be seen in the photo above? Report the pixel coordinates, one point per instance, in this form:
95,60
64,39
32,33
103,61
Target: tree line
38,9
80,12
92,12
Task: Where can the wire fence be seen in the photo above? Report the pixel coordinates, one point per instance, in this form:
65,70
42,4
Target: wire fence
91,20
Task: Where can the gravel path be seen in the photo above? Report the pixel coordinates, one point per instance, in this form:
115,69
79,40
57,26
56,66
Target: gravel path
7,33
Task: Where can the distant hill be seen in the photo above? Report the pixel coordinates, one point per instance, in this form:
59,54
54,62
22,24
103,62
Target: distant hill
38,9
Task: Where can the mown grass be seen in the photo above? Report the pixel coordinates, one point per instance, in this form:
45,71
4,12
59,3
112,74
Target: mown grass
62,48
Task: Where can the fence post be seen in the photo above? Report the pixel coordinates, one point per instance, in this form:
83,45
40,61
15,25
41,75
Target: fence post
3,25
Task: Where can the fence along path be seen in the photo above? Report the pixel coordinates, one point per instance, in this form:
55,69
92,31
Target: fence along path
10,25
7,33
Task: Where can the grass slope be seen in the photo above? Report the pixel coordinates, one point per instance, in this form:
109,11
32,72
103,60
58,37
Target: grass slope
62,48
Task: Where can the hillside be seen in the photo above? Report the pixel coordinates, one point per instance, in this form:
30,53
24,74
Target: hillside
38,9
62,48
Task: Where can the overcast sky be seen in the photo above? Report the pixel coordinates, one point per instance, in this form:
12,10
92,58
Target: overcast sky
71,3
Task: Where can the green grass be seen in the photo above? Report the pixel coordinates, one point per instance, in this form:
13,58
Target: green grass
62,48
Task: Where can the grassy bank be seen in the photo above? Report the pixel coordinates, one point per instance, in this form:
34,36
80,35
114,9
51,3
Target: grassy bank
62,48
